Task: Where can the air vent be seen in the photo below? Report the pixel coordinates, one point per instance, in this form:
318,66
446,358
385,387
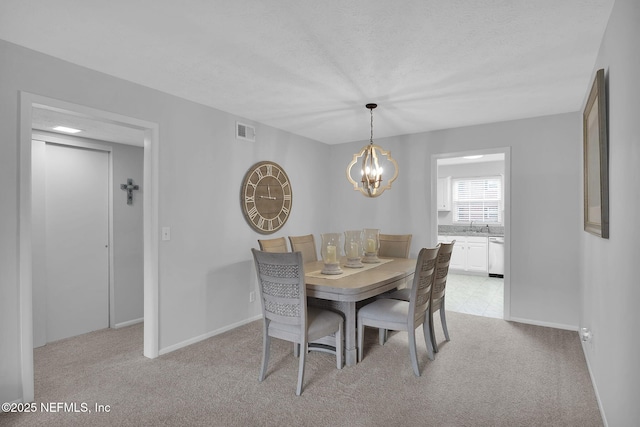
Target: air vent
246,132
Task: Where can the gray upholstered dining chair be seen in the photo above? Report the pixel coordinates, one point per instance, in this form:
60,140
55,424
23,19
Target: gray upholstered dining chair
273,245
394,245
437,294
401,315
305,244
285,312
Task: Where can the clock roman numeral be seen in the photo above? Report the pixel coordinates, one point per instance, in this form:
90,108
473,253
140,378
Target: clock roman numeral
260,223
269,170
259,173
252,213
249,199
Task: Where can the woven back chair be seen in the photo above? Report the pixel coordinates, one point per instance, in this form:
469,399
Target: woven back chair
285,312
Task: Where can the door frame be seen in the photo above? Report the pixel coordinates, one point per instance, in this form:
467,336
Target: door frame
150,225
507,210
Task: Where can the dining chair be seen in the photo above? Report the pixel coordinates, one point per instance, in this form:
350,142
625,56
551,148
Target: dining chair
437,294
273,245
285,313
401,315
305,244
394,245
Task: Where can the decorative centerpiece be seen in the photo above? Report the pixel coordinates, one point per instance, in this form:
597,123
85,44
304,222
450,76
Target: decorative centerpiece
371,245
330,253
353,248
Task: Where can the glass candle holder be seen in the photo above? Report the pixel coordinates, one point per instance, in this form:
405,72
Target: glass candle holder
371,244
353,248
330,251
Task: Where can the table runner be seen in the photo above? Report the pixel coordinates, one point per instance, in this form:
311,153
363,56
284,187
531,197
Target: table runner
347,271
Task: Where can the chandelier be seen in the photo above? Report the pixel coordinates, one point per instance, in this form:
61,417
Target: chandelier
373,162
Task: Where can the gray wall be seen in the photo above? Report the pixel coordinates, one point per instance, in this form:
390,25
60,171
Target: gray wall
205,270
545,167
608,274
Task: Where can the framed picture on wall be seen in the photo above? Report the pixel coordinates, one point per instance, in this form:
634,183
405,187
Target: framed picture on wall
596,160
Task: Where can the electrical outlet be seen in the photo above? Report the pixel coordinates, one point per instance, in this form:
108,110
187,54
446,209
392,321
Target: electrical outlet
252,296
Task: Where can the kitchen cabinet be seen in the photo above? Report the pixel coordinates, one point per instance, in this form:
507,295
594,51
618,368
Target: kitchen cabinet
444,194
470,253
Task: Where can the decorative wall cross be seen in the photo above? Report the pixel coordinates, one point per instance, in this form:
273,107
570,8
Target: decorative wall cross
129,187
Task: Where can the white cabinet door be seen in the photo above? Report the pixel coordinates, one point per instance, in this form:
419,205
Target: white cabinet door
459,254
469,253
444,194
477,256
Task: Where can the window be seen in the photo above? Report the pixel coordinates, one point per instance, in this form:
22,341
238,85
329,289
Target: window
478,200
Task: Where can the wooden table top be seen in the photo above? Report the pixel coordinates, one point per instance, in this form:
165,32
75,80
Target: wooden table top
362,285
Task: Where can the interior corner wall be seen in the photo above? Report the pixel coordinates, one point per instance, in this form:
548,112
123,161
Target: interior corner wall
608,274
545,173
206,269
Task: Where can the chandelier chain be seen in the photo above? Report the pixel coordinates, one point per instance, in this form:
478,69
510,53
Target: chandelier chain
371,138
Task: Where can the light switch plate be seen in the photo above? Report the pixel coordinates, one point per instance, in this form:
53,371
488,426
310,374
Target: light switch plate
166,233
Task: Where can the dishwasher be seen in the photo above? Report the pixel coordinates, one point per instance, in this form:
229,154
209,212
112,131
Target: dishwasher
496,256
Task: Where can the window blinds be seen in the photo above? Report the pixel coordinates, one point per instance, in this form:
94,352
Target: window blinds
478,200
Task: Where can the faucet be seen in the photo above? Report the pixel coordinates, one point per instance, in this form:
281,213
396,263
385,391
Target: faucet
471,226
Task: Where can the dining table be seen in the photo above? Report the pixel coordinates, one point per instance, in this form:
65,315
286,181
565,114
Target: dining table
354,286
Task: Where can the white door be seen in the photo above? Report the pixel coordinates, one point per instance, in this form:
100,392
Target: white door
77,237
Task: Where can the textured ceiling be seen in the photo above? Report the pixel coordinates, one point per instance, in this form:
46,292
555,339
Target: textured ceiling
309,67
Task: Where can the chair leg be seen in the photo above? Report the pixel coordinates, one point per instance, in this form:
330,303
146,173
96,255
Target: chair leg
426,330
413,352
303,355
296,349
360,338
432,332
266,343
382,336
339,353
443,319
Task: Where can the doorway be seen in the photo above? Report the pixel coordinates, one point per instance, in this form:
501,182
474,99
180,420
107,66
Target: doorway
28,102
478,283
75,210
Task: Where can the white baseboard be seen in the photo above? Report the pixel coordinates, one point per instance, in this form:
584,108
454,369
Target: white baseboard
128,323
593,383
547,324
202,337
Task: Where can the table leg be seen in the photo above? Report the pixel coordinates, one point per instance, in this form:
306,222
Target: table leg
349,311
350,350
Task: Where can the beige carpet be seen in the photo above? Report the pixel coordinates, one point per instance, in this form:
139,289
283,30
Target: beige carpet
492,373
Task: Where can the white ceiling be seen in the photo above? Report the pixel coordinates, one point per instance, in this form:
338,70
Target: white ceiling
309,66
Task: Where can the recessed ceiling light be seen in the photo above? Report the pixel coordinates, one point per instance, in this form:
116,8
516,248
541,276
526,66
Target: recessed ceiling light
66,129
479,156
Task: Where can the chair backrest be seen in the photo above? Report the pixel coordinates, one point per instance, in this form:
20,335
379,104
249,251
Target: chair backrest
420,296
305,244
442,271
394,245
282,287
273,245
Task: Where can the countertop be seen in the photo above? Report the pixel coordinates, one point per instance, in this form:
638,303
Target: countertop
465,230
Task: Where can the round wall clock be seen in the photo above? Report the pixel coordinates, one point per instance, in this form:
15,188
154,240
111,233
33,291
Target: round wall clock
266,197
